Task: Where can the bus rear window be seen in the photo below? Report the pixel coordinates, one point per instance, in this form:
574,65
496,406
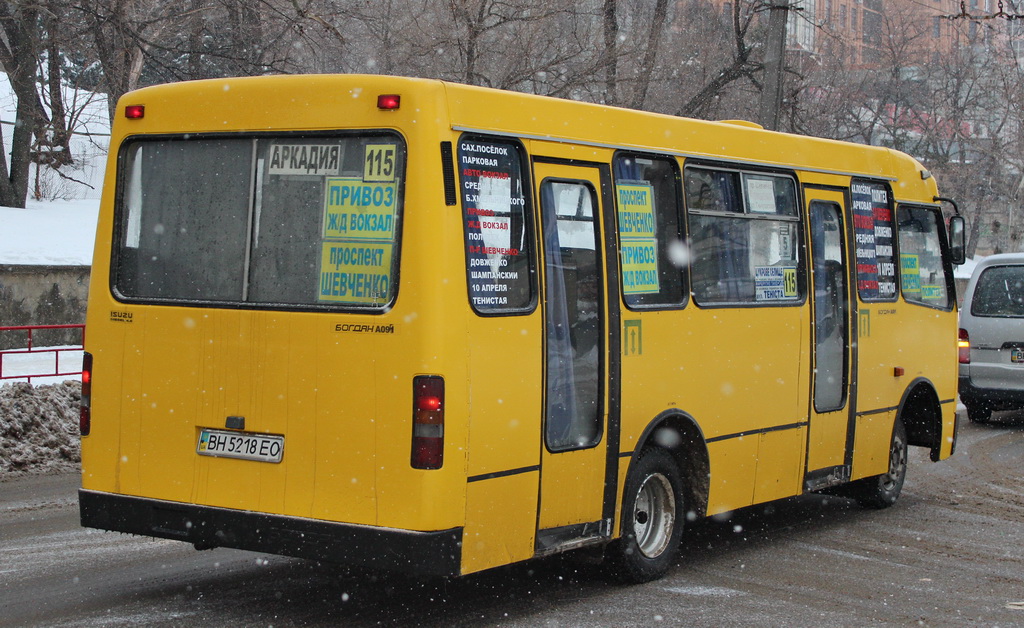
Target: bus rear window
272,221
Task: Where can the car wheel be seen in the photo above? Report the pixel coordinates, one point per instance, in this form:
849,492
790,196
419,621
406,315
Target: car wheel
652,519
978,411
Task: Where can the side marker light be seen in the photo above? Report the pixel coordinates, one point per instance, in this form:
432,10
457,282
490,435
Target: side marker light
389,102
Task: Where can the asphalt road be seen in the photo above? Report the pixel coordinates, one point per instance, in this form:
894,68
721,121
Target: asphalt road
950,553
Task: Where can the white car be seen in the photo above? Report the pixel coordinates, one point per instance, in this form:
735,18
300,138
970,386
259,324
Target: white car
992,337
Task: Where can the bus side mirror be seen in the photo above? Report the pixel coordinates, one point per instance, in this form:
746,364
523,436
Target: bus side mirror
957,239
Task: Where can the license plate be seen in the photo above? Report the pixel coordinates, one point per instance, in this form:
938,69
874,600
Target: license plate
243,445
1017,356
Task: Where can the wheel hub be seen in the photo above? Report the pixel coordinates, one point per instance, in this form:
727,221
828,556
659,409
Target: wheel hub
654,515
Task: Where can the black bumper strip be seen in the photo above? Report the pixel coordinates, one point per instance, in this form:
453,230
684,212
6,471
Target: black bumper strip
503,474
878,411
764,430
428,553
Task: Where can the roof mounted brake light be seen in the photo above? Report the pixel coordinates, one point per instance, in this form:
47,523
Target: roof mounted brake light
135,112
389,102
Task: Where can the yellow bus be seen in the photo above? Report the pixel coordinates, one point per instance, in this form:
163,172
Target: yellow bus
437,328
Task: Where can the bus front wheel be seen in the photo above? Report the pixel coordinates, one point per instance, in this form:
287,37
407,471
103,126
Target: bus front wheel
652,519
882,491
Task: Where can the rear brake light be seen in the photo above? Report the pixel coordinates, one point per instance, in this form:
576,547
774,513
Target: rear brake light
135,112
85,410
427,422
963,347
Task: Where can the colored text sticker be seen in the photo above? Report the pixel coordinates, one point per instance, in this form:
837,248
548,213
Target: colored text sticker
358,210
355,272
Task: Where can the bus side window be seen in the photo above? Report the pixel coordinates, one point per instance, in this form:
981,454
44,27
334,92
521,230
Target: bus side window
744,237
873,231
922,275
651,240
497,224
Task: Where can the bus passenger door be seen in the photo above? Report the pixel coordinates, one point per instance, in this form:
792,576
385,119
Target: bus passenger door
573,458
830,434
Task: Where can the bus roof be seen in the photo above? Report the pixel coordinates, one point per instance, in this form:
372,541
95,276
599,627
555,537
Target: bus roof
310,102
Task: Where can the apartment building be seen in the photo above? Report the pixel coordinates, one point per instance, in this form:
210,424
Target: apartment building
864,31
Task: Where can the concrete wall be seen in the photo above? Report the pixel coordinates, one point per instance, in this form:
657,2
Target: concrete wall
42,295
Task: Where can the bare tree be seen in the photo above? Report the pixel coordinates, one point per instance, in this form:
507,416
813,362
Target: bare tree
740,65
480,28
121,31
20,51
646,70
53,148
610,60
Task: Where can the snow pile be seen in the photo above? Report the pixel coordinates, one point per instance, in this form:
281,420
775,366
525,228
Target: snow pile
39,428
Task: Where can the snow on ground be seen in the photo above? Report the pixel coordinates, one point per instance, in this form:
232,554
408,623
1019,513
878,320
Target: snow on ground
39,428
49,233
39,422
62,359
59,232
965,270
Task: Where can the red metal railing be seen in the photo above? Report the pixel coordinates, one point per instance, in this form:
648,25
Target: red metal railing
30,362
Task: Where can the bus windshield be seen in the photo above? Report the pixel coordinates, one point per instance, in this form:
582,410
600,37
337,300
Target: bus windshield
305,222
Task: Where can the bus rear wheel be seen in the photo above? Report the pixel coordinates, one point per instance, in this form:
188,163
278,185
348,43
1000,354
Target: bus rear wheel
882,491
652,521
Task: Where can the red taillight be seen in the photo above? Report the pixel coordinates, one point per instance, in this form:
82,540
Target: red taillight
135,112
389,102
85,410
963,347
427,422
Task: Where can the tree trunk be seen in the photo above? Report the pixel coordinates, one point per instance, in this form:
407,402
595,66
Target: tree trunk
611,54
119,47
58,144
19,54
651,54
774,65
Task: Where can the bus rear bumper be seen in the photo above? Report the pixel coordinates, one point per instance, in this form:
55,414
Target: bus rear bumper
436,553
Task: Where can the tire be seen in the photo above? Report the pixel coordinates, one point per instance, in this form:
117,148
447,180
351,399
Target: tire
652,519
882,491
978,411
